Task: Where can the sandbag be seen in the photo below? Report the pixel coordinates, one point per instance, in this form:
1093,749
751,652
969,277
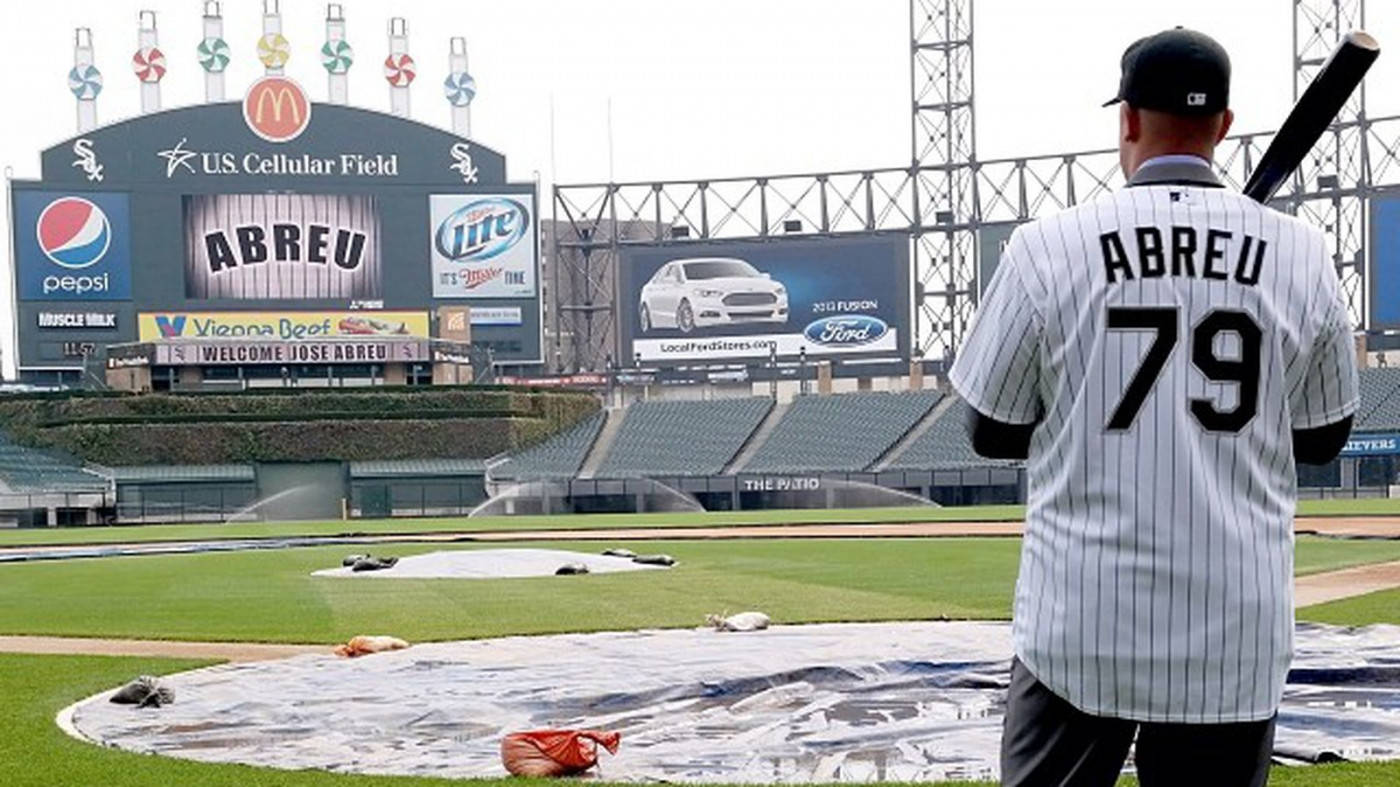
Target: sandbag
744,621
615,552
654,560
368,563
144,692
365,645
350,560
555,752
571,568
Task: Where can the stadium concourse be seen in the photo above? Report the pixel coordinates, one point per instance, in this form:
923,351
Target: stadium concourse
839,450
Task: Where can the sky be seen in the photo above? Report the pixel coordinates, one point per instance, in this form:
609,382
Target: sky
688,88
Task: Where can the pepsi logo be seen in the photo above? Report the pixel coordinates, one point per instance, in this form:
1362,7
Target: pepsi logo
73,232
846,330
482,229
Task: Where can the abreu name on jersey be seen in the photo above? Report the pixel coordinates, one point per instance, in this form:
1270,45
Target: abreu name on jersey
1181,252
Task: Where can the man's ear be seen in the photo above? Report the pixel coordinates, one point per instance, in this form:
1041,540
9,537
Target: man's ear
1129,122
1225,126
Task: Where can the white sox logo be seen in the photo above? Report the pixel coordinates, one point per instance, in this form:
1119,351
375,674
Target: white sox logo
463,159
87,160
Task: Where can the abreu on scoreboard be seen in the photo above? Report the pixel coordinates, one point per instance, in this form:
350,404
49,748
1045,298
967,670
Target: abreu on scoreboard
281,246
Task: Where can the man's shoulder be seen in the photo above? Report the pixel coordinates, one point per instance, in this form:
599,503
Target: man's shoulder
1048,234
1106,207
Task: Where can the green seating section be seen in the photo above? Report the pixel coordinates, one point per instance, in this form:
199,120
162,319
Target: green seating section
842,432
33,471
560,456
664,438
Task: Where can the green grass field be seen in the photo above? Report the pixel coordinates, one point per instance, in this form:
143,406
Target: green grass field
1008,513
134,533
269,596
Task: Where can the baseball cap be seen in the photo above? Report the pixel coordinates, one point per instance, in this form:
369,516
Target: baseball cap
1179,71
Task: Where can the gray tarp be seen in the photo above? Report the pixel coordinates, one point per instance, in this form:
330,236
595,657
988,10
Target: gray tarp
491,564
838,702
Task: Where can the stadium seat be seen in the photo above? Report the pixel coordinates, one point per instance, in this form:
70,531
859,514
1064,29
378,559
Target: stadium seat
558,457
31,470
945,446
842,432
695,438
1379,410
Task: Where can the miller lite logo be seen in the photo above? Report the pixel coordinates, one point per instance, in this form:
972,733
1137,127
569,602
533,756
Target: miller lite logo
482,229
483,246
276,109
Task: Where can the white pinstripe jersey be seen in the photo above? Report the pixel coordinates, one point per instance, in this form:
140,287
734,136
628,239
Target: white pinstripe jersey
1171,337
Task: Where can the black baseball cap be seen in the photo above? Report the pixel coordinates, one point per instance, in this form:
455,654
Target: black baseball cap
1179,71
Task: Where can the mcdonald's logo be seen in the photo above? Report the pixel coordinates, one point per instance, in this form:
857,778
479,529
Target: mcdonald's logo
276,109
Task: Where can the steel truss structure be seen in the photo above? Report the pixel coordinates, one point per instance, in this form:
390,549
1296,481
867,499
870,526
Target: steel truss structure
945,196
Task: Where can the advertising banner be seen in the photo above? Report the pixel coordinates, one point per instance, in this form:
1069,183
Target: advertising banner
1384,273
1373,445
482,245
233,352
720,301
497,315
73,320
991,242
454,324
282,326
72,246
281,246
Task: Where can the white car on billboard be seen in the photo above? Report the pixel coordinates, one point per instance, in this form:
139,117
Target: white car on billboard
709,291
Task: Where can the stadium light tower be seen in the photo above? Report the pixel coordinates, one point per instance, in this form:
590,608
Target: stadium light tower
459,88
1333,185
399,68
273,48
84,80
337,56
944,172
213,52
149,62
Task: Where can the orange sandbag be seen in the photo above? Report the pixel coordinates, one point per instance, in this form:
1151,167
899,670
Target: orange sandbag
555,752
362,646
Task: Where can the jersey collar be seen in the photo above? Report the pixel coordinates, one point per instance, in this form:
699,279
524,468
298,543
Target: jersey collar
1176,171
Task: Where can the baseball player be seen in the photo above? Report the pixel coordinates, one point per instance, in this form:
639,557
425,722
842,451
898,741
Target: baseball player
1161,356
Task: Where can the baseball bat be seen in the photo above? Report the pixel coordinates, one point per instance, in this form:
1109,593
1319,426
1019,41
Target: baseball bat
1313,113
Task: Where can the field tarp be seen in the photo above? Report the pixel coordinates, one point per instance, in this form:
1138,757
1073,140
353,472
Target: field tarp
836,702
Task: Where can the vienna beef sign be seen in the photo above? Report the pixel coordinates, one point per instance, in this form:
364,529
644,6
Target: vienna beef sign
235,353
281,246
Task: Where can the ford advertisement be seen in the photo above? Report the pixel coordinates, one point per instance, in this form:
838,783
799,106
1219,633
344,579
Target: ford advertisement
737,300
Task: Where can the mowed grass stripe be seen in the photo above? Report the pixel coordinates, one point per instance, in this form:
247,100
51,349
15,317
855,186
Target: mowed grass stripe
1382,606
269,596
211,531
208,531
